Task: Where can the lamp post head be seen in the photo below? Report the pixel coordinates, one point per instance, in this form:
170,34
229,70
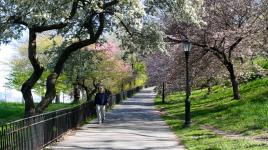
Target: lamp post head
187,46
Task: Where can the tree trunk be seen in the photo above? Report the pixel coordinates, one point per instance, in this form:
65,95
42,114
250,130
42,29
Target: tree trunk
29,84
50,93
76,93
90,95
57,99
209,84
234,81
87,94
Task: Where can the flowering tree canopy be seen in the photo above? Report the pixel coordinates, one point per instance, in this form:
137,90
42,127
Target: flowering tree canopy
79,22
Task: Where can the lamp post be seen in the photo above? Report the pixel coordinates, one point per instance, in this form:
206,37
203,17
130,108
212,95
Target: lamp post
187,48
163,92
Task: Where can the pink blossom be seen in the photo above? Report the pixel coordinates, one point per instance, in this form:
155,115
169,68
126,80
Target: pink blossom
110,48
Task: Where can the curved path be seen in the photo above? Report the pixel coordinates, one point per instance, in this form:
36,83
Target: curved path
134,124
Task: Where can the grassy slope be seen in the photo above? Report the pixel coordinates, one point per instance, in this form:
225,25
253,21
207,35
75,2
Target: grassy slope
13,111
248,116
262,62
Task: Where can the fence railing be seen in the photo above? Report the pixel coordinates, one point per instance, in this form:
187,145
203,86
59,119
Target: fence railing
36,132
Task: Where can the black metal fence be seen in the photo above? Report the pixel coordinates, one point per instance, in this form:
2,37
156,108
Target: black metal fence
35,132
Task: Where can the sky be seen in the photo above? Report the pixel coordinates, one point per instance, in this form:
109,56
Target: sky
7,52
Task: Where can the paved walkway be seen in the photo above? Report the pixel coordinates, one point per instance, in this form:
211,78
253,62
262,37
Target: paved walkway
134,124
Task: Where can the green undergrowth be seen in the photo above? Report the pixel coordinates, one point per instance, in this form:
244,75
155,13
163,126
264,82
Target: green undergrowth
248,116
13,111
262,62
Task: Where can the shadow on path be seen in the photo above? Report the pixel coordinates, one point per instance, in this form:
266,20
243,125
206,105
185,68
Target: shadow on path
134,124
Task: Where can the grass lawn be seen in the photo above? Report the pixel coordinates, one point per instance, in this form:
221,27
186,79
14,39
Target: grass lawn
248,116
13,111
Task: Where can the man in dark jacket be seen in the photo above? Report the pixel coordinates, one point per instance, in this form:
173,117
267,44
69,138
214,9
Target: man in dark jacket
101,100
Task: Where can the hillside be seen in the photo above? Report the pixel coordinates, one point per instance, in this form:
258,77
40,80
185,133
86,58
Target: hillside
218,121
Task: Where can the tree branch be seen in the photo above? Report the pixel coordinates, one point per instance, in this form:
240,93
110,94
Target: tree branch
222,41
173,39
121,21
125,26
233,46
49,27
88,24
17,20
59,25
220,55
109,4
74,9
36,28
100,28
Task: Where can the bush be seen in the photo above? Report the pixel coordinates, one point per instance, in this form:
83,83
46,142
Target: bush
262,62
249,76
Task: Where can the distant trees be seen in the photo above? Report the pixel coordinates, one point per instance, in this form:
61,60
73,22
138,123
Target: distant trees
94,64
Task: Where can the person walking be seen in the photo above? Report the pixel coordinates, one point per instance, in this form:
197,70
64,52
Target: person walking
101,100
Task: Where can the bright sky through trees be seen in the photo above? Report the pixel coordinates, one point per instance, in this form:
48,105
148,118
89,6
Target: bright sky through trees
6,53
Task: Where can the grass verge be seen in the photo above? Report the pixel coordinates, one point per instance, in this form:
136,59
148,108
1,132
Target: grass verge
13,111
247,116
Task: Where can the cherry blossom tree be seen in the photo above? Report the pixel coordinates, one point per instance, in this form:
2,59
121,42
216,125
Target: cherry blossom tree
100,63
227,29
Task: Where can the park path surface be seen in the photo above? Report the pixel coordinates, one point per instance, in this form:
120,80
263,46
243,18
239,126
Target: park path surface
134,124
